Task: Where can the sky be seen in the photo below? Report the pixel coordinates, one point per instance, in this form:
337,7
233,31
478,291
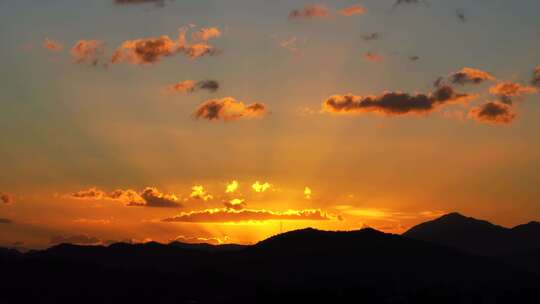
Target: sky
230,121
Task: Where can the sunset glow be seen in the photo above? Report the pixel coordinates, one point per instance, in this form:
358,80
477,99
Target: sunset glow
231,121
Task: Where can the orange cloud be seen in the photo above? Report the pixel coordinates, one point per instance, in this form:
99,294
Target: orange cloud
6,198
373,57
290,44
229,109
225,215
149,197
151,50
493,113
87,51
191,86
470,76
507,91
5,221
52,45
353,10
206,33
310,11
145,51
394,103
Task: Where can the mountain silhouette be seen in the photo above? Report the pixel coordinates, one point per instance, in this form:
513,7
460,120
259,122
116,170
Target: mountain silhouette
302,266
477,236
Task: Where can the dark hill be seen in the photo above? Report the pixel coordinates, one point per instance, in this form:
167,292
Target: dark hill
304,266
477,236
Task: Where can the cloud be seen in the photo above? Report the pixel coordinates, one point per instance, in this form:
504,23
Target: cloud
232,187
75,239
470,76
151,50
191,86
460,14
5,221
52,45
307,192
394,103
261,187
145,51
6,198
493,113
371,37
402,2
206,33
353,10
414,58
235,204
198,192
87,51
310,11
198,240
149,197
154,198
229,109
508,91
291,44
373,57
225,215
536,77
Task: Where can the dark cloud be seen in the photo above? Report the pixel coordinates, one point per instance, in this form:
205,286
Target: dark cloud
508,91
493,113
6,198
371,37
470,76
153,198
229,109
410,2
395,103
75,239
460,14
5,221
246,215
414,58
191,86
310,11
536,77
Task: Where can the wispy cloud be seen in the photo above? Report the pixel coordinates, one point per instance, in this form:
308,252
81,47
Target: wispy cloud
88,52
52,45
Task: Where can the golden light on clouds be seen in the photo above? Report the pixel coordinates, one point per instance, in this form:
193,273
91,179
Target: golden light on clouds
232,187
198,192
261,187
307,192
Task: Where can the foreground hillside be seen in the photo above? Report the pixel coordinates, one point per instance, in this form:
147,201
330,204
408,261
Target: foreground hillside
303,266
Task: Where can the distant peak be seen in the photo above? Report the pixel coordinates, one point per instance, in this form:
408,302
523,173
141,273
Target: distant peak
454,215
